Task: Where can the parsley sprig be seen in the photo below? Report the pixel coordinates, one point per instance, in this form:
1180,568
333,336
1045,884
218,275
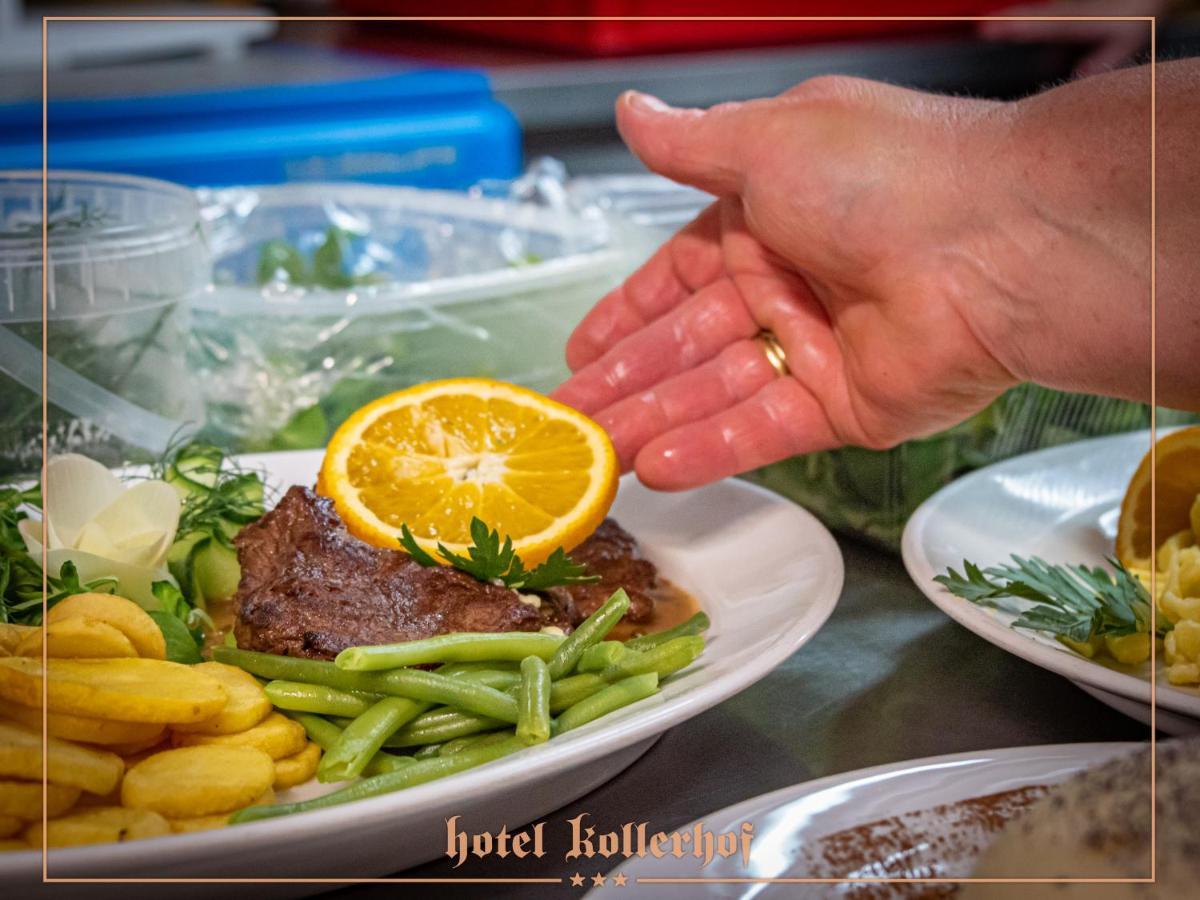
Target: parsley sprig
488,559
1073,602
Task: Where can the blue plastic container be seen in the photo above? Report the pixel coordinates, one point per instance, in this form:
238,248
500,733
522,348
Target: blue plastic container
437,128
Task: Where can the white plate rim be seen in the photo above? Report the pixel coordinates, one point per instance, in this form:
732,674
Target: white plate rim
990,628
764,804
571,751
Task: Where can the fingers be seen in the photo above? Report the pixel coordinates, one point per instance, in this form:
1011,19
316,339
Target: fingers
781,420
684,264
699,329
704,148
737,373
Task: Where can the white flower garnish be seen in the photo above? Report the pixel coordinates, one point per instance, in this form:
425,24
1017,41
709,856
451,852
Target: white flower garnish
104,526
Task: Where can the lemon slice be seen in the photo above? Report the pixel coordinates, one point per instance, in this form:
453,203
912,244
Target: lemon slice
1177,472
436,455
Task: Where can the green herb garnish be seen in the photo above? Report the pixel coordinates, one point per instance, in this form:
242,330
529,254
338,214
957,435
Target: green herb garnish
1076,603
490,560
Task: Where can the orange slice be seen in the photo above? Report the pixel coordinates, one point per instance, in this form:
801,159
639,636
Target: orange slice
436,455
1177,473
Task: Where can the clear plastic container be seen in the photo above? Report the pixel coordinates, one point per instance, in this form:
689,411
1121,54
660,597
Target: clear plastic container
327,296
125,255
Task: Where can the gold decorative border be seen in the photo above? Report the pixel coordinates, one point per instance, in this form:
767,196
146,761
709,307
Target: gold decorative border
1151,20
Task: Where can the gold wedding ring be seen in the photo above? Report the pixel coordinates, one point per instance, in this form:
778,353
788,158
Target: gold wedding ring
774,352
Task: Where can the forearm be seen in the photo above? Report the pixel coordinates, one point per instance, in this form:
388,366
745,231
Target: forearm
1070,240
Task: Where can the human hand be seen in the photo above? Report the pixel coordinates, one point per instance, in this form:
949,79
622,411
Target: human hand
873,230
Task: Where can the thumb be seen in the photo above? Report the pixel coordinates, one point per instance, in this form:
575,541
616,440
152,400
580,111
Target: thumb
703,148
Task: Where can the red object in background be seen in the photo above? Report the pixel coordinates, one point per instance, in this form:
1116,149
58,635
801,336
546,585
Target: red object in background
614,37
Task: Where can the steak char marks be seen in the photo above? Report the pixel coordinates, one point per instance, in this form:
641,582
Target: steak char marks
310,588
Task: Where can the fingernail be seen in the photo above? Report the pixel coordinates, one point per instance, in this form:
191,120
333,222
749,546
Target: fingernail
645,102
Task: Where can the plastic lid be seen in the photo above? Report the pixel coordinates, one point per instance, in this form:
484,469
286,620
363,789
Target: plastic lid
113,242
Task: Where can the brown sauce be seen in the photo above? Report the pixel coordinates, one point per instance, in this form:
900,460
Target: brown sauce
221,612
672,606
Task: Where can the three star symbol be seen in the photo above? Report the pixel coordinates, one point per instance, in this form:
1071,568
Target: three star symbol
598,880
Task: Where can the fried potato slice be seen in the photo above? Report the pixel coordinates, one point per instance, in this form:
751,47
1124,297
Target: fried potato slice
136,751
144,753
99,825
248,703
122,614
94,771
219,820
11,635
23,799
128,690
77,638
297,768
198,781
10,825
276,735
85,728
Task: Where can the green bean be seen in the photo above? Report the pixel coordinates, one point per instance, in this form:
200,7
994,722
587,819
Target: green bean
460,744
608,700
493,678
294,668
446,648
697,624
318,698
440,725
428,751
434,688
401,682
590,631
599,657
460,668
662,660
320,731
325,735
533,703
418,773
569,691
342,722
363,738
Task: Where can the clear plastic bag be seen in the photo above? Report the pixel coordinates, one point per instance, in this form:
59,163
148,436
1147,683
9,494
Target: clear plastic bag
327,296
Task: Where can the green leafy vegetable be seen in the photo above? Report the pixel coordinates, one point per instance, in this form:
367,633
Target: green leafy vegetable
181,645
488,559
279,259
1076,603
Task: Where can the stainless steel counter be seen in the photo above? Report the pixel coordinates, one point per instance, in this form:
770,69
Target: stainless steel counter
888,678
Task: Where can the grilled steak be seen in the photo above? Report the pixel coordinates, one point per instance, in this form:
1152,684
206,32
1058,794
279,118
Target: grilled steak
612,553
309,588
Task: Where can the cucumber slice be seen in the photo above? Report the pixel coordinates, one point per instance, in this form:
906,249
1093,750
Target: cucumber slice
216,571
196,469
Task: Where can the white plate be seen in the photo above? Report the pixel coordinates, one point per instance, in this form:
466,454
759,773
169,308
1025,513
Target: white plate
766,572
788,821
1060,504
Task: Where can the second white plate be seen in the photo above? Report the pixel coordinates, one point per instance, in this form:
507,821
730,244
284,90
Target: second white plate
1060,504
788,823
